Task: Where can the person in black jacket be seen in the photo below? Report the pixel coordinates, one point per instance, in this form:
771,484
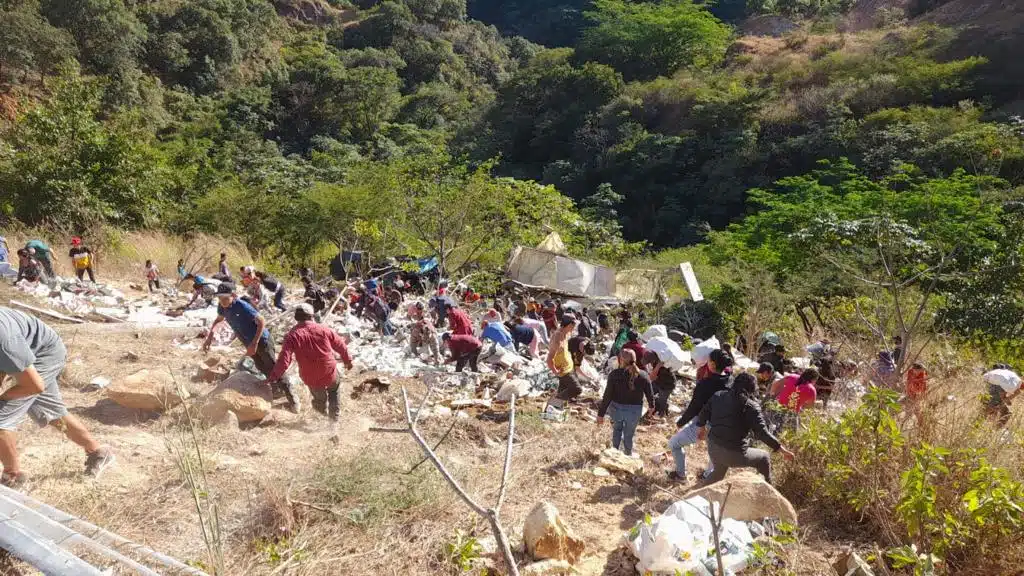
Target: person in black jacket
662,380
627,387
733,415
704,390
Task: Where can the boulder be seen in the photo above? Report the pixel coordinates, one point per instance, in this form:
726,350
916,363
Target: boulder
548,568
548,538
751,499
517,388
615,461
151,390
243,393
213,369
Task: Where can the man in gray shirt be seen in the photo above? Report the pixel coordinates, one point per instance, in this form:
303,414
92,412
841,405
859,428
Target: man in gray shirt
33,355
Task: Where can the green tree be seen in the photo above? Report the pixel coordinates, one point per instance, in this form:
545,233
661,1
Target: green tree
28,43
108,34
647,40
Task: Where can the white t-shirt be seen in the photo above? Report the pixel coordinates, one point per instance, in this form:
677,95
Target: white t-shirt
1008,380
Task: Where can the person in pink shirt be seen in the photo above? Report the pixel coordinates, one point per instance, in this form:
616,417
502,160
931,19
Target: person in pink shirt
798,391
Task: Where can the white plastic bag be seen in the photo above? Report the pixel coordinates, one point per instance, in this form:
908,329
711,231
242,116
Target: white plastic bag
669,352
1008,380
656,331
702,351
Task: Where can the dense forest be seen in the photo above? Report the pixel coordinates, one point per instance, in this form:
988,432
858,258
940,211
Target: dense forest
424,126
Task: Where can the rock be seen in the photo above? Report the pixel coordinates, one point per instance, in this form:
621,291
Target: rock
601,472
850,564
547,537
751,500
229,421
151,390
469,402
517,388
488,545
244,394
615,461
548,568
442,411
99,383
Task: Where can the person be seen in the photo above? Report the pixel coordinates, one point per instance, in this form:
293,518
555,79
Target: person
733,416
547,314
798,391
469,296
28,267
422,333
459,321
493,315
379,311
538,325
560,362
1003,386
152,275
273,286
624,394
33,355
465,350
181,270
766,376
533,310
223,270
777,358
313,346
41,252
251,329
705,388
440,305
663,381
497,333
586,328
580,348
884,370
4,250
81,259
394,297
897,348
633,343
314,295
917,388
602,322
205,288
827,376
525,336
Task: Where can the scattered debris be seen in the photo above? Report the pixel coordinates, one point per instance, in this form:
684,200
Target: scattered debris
376,384
99,383
516,387
547,536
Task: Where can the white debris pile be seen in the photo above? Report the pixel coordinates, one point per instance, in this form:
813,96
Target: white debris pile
680,541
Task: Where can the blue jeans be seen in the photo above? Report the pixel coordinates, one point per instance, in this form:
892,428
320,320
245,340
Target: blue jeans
686,436
625,417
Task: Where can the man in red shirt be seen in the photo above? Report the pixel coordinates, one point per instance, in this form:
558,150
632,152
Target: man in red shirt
460,322
465,349
314,346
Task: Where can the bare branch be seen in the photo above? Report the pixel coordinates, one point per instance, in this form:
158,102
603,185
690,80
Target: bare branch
423,404
508,452
436,446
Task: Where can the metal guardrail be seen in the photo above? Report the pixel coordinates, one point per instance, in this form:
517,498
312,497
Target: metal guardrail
47,538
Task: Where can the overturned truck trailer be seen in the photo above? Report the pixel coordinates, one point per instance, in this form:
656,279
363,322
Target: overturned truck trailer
548,268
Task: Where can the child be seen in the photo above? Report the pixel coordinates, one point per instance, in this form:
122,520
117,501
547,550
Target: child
152,275
917,387
181,270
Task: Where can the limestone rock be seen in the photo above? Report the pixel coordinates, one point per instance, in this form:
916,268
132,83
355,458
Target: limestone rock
548,538
243,393
517,388
213,369
850,564
751,500
548,568
151,390
615,461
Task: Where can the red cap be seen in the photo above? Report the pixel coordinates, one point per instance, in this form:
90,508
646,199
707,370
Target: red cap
76,241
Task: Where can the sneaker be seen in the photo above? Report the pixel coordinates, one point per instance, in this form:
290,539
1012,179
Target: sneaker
17,482
675,477
99,461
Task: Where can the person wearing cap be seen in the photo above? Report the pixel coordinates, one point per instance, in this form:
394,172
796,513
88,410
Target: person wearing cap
41,252
202,287
250,327
465,350
314,347
459,321
81,259
560,360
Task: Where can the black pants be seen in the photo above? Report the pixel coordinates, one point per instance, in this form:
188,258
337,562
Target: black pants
265,358
724,458
325,401
661,401
81,274
155,283
568,387
470,358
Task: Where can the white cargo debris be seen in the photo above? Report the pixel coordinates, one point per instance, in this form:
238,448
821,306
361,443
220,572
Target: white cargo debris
656,331
669,352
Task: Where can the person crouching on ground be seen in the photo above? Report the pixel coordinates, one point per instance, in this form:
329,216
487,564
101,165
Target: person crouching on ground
465,350
273,286
249,327
627,387
734,415
314,346
423,334
33,355
705,388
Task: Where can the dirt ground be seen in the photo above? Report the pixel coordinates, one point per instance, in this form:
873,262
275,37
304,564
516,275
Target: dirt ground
268,480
